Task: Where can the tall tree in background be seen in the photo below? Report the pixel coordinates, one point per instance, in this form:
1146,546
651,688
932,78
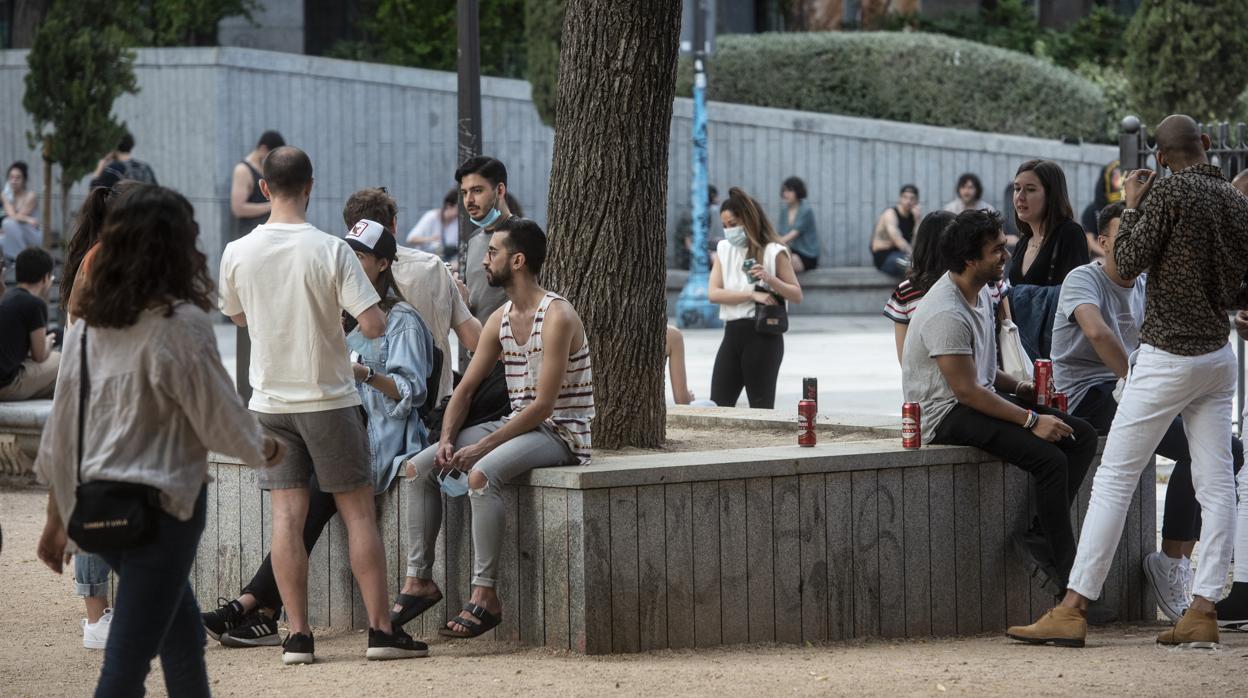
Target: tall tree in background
543,23
79,64
608,196
189,22
1188,57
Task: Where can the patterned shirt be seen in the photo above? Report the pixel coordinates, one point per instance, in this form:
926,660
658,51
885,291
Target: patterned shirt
905,299
574,406
1191,236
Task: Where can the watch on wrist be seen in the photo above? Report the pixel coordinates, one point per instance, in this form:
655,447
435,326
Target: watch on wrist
371,374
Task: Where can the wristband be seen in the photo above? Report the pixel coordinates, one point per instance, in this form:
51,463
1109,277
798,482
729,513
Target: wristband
371,375
1032,418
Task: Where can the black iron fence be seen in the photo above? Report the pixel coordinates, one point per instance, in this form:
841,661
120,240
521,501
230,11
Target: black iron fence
1229,151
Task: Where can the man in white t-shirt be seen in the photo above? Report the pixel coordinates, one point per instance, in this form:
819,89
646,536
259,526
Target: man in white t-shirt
288,284
423,280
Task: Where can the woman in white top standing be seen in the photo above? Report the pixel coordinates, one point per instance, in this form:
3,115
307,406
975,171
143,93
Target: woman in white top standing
748,359
157,398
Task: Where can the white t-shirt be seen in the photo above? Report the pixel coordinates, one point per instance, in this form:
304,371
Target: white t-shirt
430,225
293,281
731,267
428,286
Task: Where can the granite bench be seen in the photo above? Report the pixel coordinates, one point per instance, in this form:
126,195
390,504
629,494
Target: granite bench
21,426
825,291
669,550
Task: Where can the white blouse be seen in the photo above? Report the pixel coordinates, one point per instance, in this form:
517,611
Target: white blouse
731,261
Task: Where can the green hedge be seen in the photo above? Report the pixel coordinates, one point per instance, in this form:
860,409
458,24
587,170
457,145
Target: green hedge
909,77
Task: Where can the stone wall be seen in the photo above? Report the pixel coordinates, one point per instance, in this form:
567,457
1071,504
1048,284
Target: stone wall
846,540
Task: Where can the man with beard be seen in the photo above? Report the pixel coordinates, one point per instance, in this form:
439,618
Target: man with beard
949,367
541,340
483,187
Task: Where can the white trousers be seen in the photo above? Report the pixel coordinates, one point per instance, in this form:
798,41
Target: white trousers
1162,385
1241,529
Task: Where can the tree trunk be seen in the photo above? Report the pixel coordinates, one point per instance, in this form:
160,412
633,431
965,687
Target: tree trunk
608,196
47,233
816,15
46,220
27,16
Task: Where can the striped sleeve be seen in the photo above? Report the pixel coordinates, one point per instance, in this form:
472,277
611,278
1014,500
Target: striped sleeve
902,302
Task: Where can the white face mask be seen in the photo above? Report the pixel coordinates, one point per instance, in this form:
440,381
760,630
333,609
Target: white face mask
736,236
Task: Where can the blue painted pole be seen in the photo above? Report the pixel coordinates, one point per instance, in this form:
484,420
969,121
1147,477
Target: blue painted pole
693,310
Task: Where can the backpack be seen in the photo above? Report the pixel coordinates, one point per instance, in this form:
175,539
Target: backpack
489,403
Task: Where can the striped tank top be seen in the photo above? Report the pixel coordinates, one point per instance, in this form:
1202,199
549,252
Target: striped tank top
574,406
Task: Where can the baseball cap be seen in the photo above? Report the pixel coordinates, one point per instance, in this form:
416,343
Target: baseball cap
372,238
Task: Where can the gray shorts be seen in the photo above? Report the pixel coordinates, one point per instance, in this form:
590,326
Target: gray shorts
332,444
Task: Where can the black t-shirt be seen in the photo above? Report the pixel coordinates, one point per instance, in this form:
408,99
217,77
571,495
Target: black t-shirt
1063,250
20,314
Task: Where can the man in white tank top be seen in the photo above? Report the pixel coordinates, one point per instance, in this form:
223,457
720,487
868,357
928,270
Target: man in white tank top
540,339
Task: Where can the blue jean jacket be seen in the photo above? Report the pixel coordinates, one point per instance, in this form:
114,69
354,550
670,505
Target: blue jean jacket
404,354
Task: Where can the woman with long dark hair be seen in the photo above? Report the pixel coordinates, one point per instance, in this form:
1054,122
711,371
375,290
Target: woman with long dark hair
156,399
752,267
1050,242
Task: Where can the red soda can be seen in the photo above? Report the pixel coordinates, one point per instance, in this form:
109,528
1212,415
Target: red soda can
806,422
810,390
1044,382
1059,401
911,425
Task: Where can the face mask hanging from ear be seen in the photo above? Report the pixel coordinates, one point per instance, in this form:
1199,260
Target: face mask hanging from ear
489,219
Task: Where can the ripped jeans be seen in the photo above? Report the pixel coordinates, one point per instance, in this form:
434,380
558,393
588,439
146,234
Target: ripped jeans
539,448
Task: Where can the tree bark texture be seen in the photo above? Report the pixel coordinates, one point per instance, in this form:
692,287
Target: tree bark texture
608,195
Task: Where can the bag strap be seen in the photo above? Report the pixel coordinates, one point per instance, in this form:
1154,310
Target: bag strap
84,389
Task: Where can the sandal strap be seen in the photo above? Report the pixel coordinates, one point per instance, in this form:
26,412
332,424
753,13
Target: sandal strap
466,623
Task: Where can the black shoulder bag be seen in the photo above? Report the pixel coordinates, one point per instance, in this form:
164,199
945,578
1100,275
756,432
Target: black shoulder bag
109,516
771,319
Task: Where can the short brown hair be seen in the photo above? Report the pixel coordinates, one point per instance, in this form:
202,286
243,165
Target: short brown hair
147,258
287,170
374,204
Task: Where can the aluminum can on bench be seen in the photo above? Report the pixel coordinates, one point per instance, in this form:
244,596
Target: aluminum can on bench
1044,382
1060,401
810,390
806,411
911,425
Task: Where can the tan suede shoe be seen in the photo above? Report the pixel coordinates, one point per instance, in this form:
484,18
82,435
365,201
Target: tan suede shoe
1195,630
1064,627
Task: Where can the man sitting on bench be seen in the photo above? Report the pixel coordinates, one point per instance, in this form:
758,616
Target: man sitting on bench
949,367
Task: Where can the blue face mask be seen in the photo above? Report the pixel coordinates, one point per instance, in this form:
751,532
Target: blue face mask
489,218
454,482
736,236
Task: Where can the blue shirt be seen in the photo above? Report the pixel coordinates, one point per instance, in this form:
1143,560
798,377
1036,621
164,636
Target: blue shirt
807,241
405,354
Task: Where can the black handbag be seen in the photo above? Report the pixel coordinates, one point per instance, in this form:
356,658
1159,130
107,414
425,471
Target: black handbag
109,516
771,319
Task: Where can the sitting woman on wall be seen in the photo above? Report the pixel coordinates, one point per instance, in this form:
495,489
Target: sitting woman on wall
797,221
1050,245
752,269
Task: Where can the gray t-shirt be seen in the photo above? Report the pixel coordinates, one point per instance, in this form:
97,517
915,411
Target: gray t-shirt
1076,366
483,299
945,324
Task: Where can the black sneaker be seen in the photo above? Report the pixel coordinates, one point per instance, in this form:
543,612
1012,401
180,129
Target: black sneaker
1037,555
229,615
398,645
1233,610
298,649
258,630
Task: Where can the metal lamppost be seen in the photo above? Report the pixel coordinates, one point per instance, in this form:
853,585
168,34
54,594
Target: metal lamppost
693,309
468,123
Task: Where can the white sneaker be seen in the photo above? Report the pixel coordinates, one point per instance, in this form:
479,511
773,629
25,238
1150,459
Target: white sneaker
95,635
1170,579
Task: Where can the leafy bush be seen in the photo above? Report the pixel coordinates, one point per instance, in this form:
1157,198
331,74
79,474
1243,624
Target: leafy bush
1188,57
910,77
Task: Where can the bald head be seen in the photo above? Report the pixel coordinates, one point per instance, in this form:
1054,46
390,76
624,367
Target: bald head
287,171
1180,141
1241,182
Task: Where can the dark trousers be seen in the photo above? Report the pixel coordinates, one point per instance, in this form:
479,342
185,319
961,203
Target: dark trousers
263,586
155,613
1057,469
1181,520
749,360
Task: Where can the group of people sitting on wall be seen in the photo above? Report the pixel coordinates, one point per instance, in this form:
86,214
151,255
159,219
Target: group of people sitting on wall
1138,343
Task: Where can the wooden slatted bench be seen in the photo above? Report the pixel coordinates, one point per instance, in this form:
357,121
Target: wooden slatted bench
669,550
